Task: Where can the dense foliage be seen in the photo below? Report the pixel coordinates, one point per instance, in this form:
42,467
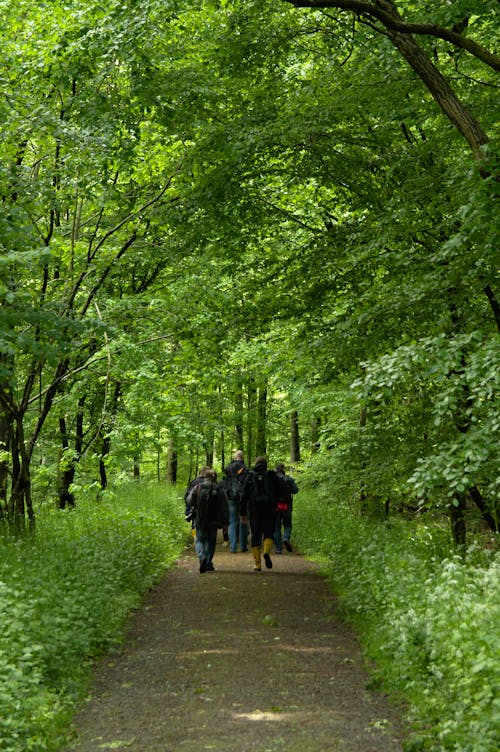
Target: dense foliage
428,617
64,597
258,224
217,215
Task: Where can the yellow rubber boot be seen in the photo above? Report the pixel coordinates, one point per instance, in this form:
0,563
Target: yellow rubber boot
256,558
268,546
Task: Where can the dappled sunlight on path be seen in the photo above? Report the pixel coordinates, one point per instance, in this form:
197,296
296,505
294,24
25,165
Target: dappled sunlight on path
235,661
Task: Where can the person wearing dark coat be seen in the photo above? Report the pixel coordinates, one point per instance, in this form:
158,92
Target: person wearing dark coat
236,473
188,512
258,502
284,510
210,512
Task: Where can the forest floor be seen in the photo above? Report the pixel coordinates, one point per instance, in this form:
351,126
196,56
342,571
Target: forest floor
203,669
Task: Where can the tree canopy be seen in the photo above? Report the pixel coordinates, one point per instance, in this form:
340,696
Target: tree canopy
217,215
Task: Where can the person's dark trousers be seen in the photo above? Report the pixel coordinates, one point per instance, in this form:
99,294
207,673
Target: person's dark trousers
206,539
262,523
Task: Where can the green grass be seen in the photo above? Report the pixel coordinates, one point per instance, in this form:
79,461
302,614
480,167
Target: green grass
429,618
64,596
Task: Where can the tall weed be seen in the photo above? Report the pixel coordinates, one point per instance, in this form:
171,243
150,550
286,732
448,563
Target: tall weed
64,596
428,617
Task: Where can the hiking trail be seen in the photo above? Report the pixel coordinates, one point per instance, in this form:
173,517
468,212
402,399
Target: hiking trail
237,661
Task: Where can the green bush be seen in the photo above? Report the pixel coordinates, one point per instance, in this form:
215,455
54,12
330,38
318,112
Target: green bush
428,617
64,596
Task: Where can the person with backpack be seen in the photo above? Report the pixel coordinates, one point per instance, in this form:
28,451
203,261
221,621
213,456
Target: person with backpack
210,512
284,510
236,473
188,511
258,502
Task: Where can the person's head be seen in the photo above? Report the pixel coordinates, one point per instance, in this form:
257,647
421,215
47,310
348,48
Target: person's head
204,470
211,474
239,456
261,462
280,468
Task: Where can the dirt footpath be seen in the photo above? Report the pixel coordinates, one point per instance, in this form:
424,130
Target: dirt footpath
237,661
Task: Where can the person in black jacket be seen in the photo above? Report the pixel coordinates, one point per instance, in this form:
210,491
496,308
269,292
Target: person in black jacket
210,512
258,502
284,510
236,473
188,512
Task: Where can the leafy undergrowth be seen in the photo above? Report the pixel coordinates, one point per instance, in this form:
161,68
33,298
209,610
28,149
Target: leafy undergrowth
64,596
429,618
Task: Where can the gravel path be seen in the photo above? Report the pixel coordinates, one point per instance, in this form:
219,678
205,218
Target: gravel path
203,669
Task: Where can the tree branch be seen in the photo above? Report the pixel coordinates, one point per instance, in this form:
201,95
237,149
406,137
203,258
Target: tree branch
361,8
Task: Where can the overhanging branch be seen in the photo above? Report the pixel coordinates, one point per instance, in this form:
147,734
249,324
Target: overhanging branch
392,23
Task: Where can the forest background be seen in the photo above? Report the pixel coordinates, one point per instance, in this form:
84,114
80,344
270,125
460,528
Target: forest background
260,225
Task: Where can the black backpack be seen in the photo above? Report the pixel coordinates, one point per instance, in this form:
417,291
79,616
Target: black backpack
235,483
206,504
261,489
285,496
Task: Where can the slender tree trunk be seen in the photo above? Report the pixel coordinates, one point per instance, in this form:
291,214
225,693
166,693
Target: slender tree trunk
222,436
106,445
222,448
315,425
172,462
20,503
238,413
294,438
209,450
67,473
251,412
261,435
5,446
491,517
495,305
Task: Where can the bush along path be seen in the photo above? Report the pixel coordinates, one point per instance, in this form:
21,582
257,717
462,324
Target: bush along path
236,660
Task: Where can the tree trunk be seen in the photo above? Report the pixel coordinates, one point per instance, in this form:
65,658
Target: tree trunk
20,503
251,410
490,516
5,446
261,434
238,422
172,462
106,445
315,424
294,438
209,450
441,91
435,82
495,305
106,442
67,473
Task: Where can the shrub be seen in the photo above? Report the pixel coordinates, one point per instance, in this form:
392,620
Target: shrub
64,596
428,617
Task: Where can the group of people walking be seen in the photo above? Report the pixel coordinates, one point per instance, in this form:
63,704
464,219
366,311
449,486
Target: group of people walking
258,499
